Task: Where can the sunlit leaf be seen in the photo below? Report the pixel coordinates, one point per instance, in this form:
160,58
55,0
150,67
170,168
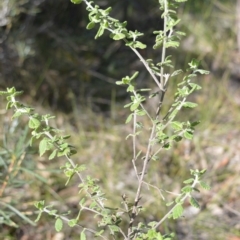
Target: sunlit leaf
187,189
76,1
100,32
53,154
177,125
72,222
134,75
83,236
204,185
134,106
58,224
176,72
172,44
190,105
90,25
43,146
188,135
129,118
201,71
177,211
119,36
34,123
190,180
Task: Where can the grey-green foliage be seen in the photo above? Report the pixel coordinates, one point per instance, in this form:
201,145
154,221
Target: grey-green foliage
165,130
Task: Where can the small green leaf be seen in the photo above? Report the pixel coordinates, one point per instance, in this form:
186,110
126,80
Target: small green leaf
177,138
134,106
76,1
114,228
53,154
43,146
204,185
127,105
194,63
52,212
140,45
134,76
141,113
189,105
193,124
11,90
176,72
83,236
38,217
16,115
9,105
63,146
201,71
177,211
72,222
202,171
72,152
152,235
97,234
90,25
66,137
129,118
58,224
194,202
180,0
195,189
188,135
190,180
169,236
100,32
158,44
83,200
195,86
187,189
170,203
34,123
177,125
39,205
167,146
3,93
173,113
172,44
108,10
119,36
130,88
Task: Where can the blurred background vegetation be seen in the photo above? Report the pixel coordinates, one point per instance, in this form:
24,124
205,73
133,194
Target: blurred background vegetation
46,51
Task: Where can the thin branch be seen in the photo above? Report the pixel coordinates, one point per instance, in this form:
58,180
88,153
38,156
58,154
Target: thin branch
159,190
140,183
68,220
148,68
182,200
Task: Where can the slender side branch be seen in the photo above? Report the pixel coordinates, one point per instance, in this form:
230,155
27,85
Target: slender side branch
134,144
67,220
164,42
140,183
163,83
196,180
161,87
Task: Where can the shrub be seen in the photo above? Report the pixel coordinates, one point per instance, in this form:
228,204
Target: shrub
117,222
